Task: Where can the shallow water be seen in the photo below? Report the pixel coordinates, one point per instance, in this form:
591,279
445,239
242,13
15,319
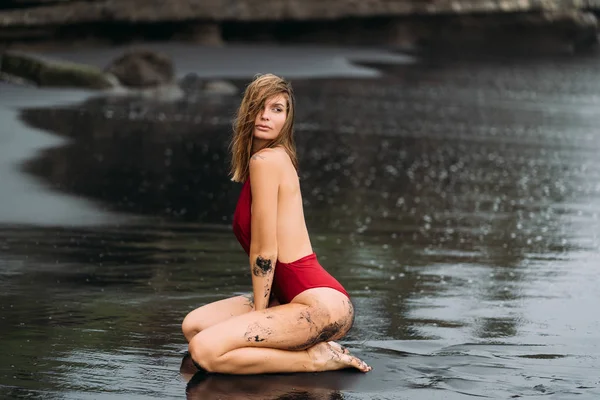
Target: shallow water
457,200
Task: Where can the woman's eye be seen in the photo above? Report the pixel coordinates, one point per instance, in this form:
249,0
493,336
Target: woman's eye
277,109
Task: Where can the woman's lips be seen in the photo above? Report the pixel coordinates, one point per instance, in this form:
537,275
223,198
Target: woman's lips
262,127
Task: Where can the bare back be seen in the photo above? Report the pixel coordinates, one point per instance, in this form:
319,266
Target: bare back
293,241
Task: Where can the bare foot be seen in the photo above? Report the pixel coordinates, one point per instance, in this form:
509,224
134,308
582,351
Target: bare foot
338,347
327,358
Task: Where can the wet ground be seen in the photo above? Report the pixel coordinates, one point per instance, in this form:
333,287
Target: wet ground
457,200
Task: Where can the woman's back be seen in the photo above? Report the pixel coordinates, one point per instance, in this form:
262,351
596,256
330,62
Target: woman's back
293,241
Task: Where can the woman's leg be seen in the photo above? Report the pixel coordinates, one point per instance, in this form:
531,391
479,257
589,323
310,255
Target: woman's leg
287,338
260,360
214,313
217,312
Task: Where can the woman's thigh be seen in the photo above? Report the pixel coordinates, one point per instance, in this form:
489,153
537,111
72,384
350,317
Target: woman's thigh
293,326
214,313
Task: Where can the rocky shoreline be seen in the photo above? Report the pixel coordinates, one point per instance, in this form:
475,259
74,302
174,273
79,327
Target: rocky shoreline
565,25
138,72
524,26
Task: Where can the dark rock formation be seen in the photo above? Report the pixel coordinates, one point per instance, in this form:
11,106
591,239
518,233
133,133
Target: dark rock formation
42,12
379,22
46,72
142,68
138,72
192,84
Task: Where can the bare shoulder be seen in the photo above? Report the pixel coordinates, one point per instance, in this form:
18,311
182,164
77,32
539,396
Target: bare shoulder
268,158
266,166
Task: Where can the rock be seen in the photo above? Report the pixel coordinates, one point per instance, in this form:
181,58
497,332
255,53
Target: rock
220,87
163,93
14,79
47,72
360,22
569,29
203,33
21,3
192,84
142,68
144,11
578,27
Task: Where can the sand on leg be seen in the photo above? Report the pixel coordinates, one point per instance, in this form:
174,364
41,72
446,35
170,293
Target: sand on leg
286,338
217,312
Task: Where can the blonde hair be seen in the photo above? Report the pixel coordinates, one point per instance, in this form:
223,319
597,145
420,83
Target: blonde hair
258,91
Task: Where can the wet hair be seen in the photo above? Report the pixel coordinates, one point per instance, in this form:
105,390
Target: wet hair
263,87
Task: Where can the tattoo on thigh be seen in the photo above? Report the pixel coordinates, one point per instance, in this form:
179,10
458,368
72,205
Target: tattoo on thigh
257,333
262,267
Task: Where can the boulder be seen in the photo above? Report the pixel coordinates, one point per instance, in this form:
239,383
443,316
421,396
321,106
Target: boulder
142,73
192,84
141,68
219,86
47,72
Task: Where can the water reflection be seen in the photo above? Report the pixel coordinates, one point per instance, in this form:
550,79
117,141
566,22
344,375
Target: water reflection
123,157
277,387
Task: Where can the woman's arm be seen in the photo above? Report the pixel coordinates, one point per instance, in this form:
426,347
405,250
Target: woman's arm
264,183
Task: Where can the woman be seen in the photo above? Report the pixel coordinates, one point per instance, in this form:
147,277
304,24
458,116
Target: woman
297,308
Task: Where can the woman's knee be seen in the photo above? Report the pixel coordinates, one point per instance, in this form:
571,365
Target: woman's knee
345,317
214,313
203,353
190,326
339,318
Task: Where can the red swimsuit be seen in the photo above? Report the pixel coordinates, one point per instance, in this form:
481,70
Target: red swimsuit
290,279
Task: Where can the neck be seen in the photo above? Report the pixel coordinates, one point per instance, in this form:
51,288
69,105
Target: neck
258,144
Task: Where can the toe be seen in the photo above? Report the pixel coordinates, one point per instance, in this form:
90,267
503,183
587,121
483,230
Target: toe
338,347
335,345
363,366
358,364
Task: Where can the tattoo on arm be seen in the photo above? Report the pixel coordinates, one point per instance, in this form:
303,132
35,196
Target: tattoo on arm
250,298
262,267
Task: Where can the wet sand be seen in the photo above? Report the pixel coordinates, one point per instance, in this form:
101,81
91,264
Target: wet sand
457,201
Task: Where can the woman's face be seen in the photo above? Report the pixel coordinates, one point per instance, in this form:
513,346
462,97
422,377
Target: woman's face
271,118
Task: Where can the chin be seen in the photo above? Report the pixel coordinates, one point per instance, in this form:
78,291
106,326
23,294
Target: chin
264,136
